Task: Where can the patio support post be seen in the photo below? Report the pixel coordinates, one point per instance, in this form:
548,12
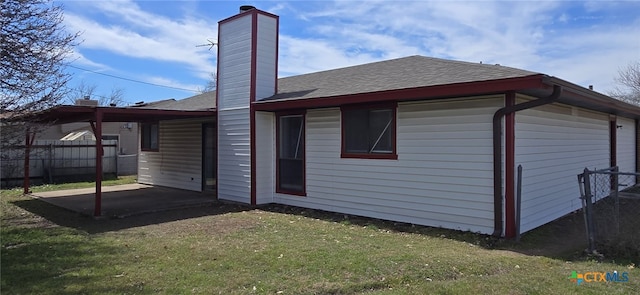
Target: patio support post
97,131
28,142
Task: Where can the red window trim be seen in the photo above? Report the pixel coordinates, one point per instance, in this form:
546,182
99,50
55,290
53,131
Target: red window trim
142,148
393,155
302,113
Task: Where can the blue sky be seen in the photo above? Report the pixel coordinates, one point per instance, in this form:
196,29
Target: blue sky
155,42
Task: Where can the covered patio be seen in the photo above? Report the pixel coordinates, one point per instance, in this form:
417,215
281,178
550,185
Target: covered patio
117,201
125,200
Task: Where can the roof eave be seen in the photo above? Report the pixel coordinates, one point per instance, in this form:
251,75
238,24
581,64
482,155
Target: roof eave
69,114
582,97
539,83
409,94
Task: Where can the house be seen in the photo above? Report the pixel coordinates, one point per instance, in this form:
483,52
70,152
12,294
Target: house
146,115
415,139
122,156
63,149
126,133
179,153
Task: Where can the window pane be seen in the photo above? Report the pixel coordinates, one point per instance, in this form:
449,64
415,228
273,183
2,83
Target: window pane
368,131
291,174
291,143
355,131
291,153
153,137
149,136
145,136
380,131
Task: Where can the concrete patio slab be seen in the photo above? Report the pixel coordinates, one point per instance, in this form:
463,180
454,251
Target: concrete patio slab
126,200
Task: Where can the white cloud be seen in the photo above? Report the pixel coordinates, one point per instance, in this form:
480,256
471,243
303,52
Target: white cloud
544,36
193,88
593,57
129,31
538,36
472,31
79,59
299,56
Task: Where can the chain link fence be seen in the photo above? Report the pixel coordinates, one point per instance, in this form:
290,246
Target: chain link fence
611,206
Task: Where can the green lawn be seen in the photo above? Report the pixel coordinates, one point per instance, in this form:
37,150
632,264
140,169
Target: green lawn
278,250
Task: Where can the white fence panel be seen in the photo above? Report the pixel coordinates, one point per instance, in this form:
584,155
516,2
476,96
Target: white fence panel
53,160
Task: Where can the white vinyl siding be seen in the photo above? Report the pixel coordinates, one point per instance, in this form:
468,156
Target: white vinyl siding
265,152
626,144
443,175
266,56
235,79
234,155
234,65
553,144
178,161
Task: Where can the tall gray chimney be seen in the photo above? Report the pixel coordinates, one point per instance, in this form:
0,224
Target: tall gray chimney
247,72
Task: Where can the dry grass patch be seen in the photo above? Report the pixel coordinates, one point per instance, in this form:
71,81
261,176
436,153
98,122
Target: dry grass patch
276,250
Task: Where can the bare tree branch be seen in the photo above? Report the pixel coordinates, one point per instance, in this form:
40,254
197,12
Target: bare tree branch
84,90
211,83
115,98
33,47
80,92
629,84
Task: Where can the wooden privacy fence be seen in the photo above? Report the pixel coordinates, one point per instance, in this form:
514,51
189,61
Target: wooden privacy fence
54,161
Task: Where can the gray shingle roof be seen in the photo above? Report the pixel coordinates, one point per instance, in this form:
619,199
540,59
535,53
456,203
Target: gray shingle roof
402,73
200,102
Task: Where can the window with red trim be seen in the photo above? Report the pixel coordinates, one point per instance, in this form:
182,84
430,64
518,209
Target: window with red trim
369,132
149,133
290,174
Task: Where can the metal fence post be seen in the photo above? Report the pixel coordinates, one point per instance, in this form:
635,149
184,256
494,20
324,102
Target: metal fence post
116,163
611,200
589,209
50,160
518,202
616,198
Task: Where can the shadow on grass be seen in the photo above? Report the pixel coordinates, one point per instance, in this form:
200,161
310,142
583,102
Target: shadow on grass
91,225
55,261
563,239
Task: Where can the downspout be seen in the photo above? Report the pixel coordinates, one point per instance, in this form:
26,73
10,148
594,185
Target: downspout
613,141
637,122
497,150
613,148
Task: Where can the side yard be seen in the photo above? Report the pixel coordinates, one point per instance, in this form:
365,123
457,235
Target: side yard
233,249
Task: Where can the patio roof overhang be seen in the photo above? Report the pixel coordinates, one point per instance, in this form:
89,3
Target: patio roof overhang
95,116
73,113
